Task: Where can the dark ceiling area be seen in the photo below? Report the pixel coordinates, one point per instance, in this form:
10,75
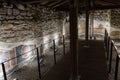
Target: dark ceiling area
64,4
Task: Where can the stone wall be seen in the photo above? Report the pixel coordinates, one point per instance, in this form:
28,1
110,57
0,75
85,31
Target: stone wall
115,18
33,22
115,23
24,30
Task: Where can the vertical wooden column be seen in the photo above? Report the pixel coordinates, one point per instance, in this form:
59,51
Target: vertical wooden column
91,25
54,52
4,71
73,38
38,59
87,20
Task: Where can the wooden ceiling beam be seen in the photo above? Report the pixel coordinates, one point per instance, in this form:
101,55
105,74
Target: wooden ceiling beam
63,7
54,3
45,2
105,7
32,2
101,8
59,4
110,2
103,3
114,2
48,3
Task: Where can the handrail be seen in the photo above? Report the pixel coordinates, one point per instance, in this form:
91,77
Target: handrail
115,48
29,51
18,56
110,57
109,49
39,70
117,61
107,42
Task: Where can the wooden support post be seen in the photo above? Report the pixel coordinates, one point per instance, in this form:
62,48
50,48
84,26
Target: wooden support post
116,67
110,61
108,47
105,37
87,25
54,52
106,42
74,38
91,25
87,20
41,49
63,45
4,71
38,59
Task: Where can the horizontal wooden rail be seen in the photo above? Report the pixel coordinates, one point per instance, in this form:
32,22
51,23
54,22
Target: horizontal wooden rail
37,50
110,45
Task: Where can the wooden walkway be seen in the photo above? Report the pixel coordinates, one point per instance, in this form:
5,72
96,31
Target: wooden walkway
92,63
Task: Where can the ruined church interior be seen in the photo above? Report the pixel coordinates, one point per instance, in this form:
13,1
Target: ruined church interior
59,39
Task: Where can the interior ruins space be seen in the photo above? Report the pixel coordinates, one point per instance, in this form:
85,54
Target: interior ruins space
40,39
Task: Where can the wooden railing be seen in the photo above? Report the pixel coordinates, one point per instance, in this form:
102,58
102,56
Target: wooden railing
110,46
38,57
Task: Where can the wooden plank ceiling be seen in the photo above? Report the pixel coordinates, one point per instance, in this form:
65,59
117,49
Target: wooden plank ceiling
64,4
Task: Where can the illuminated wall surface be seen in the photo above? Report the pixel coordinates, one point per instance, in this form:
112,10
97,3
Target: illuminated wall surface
14,63
115,24
25,51
22,30
22,25
98,21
